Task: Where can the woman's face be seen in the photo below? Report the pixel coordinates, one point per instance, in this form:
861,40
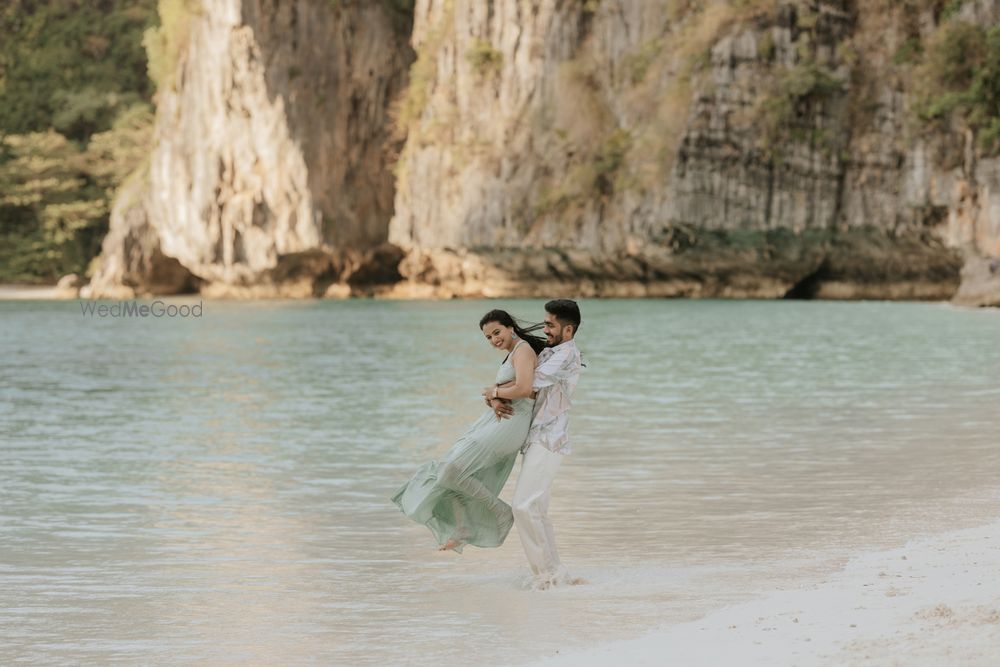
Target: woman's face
497,334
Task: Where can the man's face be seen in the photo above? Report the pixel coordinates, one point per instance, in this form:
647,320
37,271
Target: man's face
555,333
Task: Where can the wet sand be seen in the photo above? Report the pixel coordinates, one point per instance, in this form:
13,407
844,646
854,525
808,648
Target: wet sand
934,601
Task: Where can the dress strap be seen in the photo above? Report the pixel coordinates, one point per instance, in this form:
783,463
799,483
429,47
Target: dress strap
511,353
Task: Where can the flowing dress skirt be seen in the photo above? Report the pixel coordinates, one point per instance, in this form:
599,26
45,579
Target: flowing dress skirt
457,497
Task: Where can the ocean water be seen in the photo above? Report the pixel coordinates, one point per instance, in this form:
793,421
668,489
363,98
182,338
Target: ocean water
215,490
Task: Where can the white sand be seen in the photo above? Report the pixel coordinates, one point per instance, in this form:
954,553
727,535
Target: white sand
935,601
20,292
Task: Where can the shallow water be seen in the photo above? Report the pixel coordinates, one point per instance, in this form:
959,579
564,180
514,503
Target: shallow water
216,490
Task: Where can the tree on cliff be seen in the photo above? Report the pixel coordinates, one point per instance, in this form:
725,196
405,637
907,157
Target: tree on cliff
74,102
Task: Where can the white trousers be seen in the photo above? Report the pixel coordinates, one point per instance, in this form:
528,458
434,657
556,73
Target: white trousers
531,507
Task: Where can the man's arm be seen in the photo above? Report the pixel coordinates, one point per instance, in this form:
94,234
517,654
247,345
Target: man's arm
501,406
555,368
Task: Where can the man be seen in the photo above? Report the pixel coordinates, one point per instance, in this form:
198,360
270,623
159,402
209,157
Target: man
556,375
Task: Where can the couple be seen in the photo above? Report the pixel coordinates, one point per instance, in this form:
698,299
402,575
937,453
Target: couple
457,497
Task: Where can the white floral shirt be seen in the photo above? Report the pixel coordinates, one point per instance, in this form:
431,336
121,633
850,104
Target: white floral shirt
556,374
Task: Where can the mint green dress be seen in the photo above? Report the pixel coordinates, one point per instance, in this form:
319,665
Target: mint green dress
457,497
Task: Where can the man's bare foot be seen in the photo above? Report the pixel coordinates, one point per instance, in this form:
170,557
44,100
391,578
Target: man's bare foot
449,545
545,584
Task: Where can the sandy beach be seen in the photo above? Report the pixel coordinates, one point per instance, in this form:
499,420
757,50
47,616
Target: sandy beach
934,601
19,292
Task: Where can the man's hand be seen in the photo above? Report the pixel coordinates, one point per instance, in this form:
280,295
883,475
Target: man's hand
501,408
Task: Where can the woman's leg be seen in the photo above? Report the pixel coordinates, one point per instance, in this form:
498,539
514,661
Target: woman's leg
459,536
454,478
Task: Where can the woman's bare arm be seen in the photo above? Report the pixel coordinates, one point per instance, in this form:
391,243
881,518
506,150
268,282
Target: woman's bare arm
524,375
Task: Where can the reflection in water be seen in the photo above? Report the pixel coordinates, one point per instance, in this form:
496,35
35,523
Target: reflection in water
216,491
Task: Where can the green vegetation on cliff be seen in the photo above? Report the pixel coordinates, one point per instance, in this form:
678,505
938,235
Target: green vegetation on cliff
166,42
483,57
962,71
55,197
71,65
796,91
75,116
410,107
948,68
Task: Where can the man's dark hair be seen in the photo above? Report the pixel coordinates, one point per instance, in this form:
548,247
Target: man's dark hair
566,311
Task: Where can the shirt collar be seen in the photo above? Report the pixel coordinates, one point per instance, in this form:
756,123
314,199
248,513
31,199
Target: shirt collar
571,341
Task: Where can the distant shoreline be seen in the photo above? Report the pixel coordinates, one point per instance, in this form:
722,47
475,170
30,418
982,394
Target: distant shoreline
24,292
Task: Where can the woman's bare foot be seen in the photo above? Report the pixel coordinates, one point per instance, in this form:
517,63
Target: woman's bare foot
449,545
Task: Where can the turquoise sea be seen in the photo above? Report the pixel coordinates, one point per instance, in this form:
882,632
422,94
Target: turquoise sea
215,490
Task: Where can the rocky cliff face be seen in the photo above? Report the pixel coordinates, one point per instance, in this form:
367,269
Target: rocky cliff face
270,172
646,148
599,147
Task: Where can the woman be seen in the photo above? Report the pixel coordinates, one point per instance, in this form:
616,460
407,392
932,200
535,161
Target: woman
457,497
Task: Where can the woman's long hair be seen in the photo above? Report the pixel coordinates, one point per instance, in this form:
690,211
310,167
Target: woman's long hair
521,328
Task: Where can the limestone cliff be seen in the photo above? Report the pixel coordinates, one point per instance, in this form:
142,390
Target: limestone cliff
651,148
269,173
758,148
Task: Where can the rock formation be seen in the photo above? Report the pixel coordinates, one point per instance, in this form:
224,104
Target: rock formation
592,147
270,171
635,148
